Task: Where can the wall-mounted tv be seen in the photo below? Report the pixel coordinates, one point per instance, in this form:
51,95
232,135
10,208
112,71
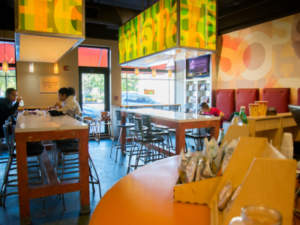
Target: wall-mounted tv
198,67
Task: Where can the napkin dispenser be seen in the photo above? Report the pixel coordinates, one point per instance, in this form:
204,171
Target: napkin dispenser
271,111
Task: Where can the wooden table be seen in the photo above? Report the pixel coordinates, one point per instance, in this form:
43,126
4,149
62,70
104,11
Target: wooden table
40,128
273,127
177,120
145,197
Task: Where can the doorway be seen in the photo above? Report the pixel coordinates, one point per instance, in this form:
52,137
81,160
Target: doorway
94,91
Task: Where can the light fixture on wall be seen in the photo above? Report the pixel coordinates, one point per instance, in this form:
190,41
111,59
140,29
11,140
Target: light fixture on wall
31,67
55,68
153,72
170,73
4,62
136,71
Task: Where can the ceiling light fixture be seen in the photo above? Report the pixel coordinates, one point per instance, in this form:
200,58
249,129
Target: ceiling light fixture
56,68
170,73
153,72
4,62
136,71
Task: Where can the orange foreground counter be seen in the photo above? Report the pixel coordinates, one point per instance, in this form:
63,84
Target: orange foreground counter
145,196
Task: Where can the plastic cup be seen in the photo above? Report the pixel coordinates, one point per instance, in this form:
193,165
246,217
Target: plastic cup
254,110
287,152
263,107
287,140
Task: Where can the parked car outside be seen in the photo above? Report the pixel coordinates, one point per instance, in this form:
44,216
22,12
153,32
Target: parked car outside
137,99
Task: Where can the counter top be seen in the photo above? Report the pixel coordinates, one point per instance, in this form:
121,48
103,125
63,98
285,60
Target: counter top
145,196
172,116
35,123
279,115
128,106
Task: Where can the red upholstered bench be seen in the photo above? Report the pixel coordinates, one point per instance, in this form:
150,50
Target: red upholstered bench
277,97
225,101
244,97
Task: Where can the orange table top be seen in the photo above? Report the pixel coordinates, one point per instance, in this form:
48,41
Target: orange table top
145,196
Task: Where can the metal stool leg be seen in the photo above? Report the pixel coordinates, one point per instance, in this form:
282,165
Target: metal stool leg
121,130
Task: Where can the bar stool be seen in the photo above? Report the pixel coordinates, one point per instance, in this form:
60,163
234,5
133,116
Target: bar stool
145,138
94,128
33,150
71,148
152,130
197,137
174,108
119,128
173,132
105,120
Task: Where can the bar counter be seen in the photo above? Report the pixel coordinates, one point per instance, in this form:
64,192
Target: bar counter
145,196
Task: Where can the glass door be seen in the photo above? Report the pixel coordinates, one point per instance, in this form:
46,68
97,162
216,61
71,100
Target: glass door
94,91
93,94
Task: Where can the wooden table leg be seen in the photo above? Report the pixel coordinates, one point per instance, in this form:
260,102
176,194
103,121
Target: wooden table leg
180,139
23,190
214,131
84,174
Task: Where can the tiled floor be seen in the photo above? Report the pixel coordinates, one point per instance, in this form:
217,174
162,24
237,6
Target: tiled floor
109,172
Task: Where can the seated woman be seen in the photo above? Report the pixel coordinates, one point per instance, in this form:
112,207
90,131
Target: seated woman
206,110
69,104
7,108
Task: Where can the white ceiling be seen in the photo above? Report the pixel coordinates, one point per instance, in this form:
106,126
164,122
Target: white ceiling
33,48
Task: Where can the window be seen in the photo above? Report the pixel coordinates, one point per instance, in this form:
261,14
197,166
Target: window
7,79
92,57
147,90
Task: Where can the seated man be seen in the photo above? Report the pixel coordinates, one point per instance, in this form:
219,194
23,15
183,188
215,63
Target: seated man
206,110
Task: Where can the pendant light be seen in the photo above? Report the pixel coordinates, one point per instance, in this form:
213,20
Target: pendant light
55,68
31,67
153,72
136,71
4,62
170,73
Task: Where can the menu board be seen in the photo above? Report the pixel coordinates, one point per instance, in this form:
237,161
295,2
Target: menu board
49,84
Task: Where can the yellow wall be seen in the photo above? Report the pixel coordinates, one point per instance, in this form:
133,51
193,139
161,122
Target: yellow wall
262,56
28,83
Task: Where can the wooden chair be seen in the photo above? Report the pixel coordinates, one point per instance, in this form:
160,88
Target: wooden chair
105,120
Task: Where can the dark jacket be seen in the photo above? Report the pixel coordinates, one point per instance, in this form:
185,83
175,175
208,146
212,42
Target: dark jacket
6,110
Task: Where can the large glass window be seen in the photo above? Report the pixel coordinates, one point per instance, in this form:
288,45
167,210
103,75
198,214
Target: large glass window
8,78
144,89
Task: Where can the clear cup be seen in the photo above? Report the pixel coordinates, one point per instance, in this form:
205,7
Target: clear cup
263,107
254,110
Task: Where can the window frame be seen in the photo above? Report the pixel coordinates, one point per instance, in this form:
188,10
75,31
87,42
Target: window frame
10,65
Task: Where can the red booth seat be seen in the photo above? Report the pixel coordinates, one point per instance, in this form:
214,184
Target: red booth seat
298,99
225,101
244,97
277,97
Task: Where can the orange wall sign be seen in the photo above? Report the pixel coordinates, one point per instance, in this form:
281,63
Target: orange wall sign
49,84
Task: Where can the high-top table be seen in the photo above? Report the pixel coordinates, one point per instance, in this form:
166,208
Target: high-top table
41,128
145,196
177,120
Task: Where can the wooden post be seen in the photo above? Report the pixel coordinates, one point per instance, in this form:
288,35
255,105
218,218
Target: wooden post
23,180
83,143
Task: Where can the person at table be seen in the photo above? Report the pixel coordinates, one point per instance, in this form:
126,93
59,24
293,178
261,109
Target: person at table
69,105
7,108
206,110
